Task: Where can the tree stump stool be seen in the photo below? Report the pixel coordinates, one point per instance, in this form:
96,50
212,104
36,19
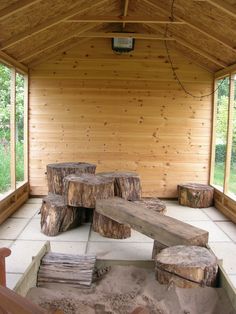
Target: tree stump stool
127,185
57,217
57,172
156,205
109,228
83,190
195,195
186,266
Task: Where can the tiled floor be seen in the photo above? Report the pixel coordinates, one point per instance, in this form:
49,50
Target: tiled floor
21,232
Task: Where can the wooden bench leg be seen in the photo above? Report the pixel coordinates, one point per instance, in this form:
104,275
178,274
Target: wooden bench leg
4,252
109,228
157,248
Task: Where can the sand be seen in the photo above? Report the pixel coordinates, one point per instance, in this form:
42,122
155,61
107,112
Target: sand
126,287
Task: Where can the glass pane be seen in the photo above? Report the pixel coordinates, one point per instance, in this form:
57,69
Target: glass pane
232,177
5,158
19,128
221,131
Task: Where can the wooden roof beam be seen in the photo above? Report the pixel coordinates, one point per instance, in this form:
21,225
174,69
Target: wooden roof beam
198,28
49,23
16,7
125,11
120,19
47,46
188,45
123,35
221,5
5,58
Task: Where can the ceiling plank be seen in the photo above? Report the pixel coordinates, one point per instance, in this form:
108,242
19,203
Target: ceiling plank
68,44
47,45
125,11
123,35
5,58
222,5
120,19
198,28
16,7
49,23
188,45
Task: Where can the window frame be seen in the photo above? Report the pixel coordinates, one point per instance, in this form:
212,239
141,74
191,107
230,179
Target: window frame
229,135
18,193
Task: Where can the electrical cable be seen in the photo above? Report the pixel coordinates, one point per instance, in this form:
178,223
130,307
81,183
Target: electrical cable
175,75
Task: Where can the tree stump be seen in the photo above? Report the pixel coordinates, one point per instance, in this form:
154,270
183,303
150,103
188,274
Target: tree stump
109,228
195,195
57,217
126,184
57,172
186,266
83,190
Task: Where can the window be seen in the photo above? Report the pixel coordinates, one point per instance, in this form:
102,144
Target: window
232,175
223,175
5,131
221,121
13,129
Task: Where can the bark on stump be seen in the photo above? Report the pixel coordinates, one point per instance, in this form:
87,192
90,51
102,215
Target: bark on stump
57,172
186,267
195,195
83,190
127,185
57,217
109,228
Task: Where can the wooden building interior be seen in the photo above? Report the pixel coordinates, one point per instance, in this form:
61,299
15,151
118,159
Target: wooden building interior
153,110
123,111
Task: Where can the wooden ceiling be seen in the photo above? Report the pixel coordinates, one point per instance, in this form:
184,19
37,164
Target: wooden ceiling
34,30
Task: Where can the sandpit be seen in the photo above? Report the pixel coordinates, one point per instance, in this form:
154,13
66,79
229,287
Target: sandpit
124,288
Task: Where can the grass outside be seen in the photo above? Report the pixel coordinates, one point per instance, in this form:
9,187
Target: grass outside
219,176
5,172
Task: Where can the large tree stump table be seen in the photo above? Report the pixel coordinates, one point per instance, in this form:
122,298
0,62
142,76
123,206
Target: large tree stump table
57,172
186,266
195,195
127,185
57,217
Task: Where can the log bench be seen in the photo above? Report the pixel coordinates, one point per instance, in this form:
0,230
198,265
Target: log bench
166,230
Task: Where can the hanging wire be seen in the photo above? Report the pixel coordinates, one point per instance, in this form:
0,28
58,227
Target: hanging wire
175,75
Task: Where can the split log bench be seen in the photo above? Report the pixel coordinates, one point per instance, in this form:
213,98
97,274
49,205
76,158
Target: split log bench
57,172
166,230
195,195
158,206
186,266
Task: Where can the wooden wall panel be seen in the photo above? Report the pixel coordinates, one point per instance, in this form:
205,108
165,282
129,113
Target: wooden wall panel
122,112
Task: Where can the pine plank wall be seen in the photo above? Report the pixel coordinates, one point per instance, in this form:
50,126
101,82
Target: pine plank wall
122,112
